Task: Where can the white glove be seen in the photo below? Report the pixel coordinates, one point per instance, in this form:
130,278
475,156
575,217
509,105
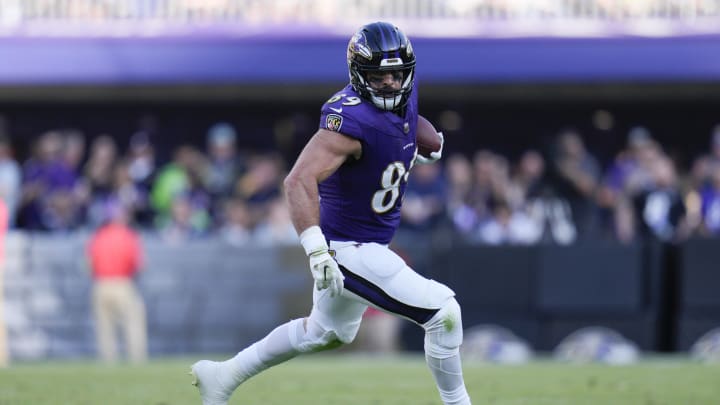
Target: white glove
323,267
326,272
434,156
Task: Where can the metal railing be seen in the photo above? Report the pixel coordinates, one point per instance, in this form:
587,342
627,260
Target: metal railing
430,17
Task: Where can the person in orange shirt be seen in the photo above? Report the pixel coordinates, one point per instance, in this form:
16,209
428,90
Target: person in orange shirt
115,258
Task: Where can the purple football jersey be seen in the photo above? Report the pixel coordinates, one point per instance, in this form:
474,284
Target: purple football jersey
361,200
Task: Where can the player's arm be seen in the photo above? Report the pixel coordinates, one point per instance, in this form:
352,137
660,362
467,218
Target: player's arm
322,155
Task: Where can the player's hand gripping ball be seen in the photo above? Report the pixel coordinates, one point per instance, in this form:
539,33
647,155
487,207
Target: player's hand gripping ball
429,141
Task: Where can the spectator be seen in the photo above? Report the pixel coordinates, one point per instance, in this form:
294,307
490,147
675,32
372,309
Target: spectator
99,178
182,205
490,180
185,222
616,216
174,179
141,160
660,210
141,170
236,229
98,170
49,198
630,172
482,190
73,149
628,175
261,184
575,174
458,174
424,202
225,165
553,214
704,166
133,196
199,199
527,178
10,179
506,226
710,196
277,228
115,257
460,180
62,213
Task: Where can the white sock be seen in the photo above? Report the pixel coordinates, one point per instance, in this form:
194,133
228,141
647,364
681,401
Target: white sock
448,377
278,346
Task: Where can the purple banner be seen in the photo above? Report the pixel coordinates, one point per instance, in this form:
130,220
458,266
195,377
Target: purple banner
278,60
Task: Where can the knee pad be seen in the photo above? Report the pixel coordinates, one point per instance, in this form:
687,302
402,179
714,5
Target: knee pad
316,338
444,331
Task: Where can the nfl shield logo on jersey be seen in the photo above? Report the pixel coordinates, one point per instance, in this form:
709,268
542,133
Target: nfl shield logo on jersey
333,122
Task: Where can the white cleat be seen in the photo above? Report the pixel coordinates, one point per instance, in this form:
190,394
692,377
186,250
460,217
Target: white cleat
205,377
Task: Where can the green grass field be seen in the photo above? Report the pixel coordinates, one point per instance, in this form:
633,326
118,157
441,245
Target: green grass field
356,380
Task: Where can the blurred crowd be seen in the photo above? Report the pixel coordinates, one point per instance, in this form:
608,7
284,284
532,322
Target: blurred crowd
69,183
561,195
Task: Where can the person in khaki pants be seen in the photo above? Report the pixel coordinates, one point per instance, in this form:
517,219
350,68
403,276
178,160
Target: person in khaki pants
4,224
115,258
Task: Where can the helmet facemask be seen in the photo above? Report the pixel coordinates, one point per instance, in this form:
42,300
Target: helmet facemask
386,99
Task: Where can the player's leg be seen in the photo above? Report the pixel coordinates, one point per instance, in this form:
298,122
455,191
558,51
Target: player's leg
333,321
381,278
443,336
217,380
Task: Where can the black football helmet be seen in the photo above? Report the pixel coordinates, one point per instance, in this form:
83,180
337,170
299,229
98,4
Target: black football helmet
381,46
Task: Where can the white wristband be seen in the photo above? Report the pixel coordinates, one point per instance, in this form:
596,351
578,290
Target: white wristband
313,240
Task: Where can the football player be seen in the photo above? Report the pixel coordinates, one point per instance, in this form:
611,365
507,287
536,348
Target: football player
345,192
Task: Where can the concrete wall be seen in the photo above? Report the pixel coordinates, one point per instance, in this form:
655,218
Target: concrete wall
201,296
207,297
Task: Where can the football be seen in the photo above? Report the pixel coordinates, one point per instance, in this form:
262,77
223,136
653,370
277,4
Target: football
426,136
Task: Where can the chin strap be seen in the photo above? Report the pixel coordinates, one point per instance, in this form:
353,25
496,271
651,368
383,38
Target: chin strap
387,104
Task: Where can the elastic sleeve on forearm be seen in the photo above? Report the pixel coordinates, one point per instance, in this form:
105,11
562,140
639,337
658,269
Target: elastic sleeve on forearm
313,240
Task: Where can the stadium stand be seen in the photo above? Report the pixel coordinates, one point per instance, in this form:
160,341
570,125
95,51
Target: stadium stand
575,192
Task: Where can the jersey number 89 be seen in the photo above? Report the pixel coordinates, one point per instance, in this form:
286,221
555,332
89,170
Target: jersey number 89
385,199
